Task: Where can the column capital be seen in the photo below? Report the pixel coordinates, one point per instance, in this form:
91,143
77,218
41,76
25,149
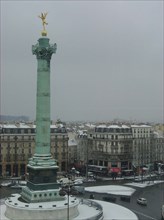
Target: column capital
44,50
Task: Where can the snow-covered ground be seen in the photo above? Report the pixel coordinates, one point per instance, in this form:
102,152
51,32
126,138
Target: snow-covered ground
111,189
110,211
145,183
116,212
121,190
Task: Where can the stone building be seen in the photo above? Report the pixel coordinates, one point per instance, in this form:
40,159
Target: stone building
109,146
143,149
120,146
17,144
158,144
72,150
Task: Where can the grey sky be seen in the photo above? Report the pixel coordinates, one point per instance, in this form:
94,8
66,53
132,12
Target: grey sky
109,60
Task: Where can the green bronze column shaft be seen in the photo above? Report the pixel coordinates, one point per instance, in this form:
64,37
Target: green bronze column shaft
43,51
43,109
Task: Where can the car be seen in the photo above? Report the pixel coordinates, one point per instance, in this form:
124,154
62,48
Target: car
109,199
125,198
142,201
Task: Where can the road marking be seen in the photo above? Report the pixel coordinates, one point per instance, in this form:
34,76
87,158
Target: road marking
144,215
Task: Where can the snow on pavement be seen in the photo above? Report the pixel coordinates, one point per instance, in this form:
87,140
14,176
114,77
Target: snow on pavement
144,184
111,189
110,211
116,212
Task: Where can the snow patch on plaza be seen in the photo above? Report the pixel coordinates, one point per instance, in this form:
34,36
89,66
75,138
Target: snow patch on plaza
144,184
112,189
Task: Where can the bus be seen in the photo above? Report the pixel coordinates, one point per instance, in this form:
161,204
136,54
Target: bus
98,170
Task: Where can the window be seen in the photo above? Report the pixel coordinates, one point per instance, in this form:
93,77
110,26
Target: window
8,158
32,131
7,131
8,148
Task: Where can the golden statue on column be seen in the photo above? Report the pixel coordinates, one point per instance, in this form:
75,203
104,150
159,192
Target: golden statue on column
44,23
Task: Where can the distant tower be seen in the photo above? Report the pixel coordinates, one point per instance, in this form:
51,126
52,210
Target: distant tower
42,168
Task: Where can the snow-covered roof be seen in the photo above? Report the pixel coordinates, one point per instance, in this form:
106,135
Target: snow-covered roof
60,125
125,126
81,126
22,125
146,126
140,126
101,126
9,126
90,125
158,134
53,126
114,126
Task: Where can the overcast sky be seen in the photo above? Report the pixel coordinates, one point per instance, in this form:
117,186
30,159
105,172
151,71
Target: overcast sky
108,64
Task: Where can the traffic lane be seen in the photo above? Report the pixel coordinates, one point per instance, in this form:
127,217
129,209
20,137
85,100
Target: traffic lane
130,205
155,199
153,194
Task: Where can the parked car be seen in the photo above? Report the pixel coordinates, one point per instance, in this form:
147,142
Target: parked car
125,198
142,201
109,199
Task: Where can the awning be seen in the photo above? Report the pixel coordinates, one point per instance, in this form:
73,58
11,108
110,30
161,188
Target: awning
115,170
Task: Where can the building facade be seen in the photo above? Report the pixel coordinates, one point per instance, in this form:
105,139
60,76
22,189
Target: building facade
109,146
124,147
17,144
143,150
158,145
72,151
120,146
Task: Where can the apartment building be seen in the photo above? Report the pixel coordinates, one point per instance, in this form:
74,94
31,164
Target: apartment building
120,146
109,146
143,151
158,145
17,144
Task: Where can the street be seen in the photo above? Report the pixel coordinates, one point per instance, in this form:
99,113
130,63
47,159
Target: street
154,195
155,199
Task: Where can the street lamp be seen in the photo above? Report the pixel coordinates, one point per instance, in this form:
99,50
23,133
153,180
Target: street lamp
63,192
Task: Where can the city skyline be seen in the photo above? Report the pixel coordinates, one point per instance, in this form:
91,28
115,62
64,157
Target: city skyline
109,60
